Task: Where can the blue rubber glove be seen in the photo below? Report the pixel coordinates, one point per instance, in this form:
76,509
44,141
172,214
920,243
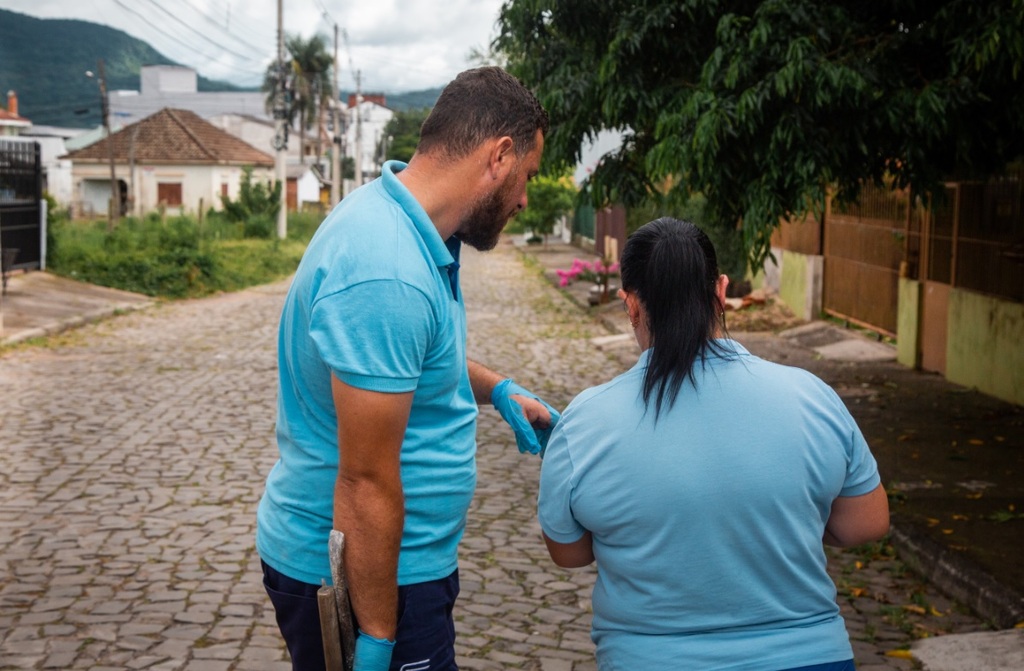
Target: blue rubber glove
372,654
528,439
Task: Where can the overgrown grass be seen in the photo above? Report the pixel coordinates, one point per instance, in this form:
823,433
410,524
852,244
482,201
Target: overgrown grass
177,257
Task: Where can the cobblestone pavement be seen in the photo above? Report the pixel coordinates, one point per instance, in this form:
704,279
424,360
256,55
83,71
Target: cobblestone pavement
133,453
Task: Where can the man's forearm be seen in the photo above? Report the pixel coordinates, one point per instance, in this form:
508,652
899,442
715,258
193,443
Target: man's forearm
483,381
371,516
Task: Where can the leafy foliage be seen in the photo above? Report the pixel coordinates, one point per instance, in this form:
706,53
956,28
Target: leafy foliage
257,205
404,130
548,198
767,106
307,82
178,257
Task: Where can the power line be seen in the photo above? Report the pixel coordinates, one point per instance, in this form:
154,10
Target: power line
196,32
224,29
178,40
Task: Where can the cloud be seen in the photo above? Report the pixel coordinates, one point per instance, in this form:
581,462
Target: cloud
397,45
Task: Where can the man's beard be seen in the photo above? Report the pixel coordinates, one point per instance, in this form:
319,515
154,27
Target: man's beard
482,227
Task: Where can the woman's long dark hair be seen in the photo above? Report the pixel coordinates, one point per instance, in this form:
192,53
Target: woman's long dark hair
672,268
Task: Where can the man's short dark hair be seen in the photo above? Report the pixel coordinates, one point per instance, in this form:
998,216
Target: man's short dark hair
479,105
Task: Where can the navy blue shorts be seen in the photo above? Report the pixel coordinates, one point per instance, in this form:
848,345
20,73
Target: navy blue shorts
831,666
426,630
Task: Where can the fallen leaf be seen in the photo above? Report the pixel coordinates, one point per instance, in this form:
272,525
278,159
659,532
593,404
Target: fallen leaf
1019,625
974,495
857,592
962,518
947,531
932,521
933,611
976,441
914,609
901,654
858,565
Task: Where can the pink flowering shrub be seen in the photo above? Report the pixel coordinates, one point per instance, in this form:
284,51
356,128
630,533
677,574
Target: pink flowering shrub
598,272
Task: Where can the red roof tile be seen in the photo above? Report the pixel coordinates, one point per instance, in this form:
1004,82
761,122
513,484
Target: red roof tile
174,136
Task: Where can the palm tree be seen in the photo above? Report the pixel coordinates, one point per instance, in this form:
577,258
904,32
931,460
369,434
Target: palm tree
309,83
311,65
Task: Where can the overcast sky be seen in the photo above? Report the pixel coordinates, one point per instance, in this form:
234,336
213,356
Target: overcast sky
397,45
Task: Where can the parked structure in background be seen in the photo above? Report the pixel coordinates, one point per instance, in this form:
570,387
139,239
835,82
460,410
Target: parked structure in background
171,159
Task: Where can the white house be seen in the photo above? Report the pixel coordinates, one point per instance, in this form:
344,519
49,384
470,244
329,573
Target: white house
172,158
365,119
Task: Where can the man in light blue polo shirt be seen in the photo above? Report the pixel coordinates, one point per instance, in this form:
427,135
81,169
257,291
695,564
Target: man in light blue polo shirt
377,401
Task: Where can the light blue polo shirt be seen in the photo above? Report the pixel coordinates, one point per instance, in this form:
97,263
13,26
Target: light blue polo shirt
376,302
707,525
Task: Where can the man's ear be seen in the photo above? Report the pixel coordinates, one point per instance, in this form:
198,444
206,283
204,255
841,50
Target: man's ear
501,157
720,287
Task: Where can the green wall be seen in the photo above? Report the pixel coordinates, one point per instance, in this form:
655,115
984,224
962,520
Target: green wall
908,323
984,344
800,284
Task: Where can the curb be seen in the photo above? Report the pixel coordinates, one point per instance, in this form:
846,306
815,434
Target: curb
53,328
957,576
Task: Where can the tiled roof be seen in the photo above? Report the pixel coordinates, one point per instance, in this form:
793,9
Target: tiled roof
8,119
174,136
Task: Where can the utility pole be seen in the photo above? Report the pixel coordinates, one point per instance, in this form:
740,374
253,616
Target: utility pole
336,175
359,129
281,136
114,209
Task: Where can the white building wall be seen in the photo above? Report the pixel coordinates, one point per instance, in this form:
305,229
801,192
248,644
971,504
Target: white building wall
200,186
362,143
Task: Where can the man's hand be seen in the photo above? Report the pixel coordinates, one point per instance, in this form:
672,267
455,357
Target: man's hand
372,654
530,417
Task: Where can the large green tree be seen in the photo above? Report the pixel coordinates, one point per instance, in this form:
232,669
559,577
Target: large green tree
549,198
403,131
766,106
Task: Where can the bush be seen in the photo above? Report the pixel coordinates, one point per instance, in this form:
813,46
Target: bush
177,257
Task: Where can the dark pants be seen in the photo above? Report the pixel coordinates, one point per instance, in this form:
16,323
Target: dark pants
833,666
426,630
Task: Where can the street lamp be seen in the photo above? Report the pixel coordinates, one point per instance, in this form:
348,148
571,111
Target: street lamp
114,209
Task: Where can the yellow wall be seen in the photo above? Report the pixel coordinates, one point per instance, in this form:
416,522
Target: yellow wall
984,344
908,323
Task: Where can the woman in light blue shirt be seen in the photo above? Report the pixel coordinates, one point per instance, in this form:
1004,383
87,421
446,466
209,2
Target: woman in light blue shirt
704,482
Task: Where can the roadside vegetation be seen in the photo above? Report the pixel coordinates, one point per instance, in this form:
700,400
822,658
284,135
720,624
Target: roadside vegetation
177,256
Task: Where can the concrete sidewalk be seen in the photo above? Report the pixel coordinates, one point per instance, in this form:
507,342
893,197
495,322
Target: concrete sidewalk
38,304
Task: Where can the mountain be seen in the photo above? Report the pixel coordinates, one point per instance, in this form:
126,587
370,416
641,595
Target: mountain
45,60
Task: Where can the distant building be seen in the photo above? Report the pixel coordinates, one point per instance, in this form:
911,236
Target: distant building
11,123
364,138
176,86
172,158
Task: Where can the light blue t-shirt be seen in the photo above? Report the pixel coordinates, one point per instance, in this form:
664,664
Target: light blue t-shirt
707,525
376,302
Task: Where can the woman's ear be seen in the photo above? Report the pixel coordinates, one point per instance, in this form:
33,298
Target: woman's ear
720,287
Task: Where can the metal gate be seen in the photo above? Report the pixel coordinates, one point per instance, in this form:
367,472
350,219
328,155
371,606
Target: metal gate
21,210
864,245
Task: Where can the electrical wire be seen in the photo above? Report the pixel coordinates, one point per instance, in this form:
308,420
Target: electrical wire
196,32
178,40
224,29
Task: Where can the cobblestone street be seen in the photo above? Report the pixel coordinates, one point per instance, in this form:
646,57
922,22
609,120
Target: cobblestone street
133,453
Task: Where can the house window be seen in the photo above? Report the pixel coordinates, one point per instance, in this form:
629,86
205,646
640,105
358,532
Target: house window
169,194
224,189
